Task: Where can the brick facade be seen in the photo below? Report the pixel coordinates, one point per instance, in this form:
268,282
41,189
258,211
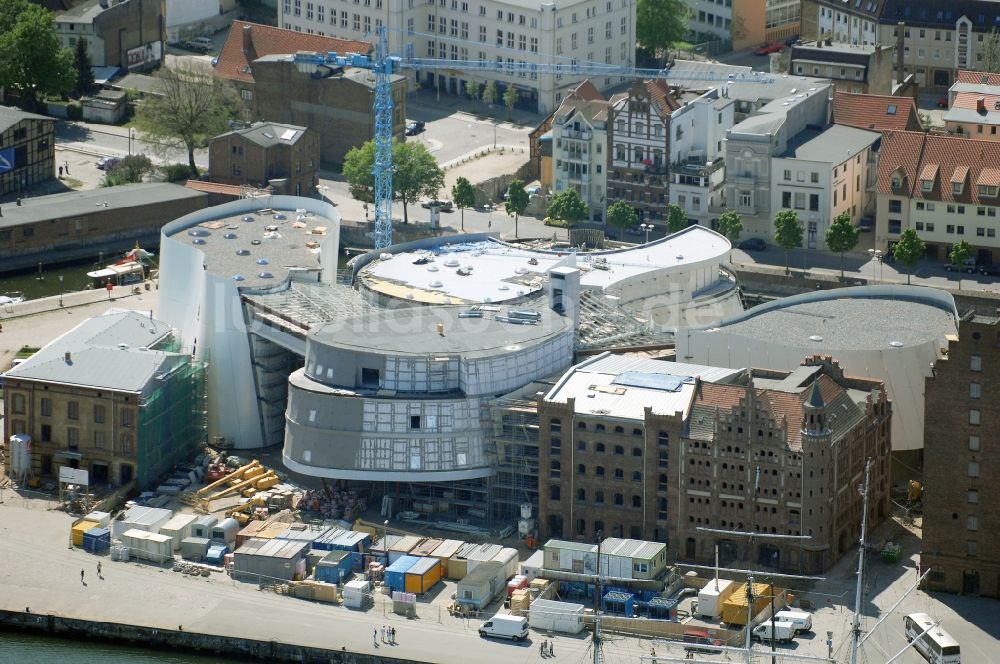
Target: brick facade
248,157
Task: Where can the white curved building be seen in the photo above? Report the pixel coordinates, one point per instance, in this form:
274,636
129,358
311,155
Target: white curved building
891,333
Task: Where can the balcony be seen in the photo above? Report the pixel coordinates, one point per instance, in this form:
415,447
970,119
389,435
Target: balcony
578,134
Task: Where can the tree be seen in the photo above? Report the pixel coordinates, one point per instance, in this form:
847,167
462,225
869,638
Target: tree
474,89
731,225
509,99
622,215
677,219
787,232
659,24
464,195
83,67
842,236
415,173
567,206
194,107
490,93
991,52
128,170
909,250
32,61
517,201
960,253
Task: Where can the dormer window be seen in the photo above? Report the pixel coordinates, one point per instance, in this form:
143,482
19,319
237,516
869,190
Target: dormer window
897,182
956,188
926,185
987,191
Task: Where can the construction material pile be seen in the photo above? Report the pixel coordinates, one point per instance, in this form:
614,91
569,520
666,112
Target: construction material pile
344,505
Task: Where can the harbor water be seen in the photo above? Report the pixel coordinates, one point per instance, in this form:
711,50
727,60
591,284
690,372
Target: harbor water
19,647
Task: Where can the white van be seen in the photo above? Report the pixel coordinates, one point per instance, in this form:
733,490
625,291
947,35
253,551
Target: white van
502,626
783,632
803,621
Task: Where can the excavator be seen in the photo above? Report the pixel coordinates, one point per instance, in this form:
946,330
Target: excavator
246,481
246,512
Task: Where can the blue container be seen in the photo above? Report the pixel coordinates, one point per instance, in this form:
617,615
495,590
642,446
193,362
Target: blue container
619,603
335,567
661,608
395,574
97,540
216,554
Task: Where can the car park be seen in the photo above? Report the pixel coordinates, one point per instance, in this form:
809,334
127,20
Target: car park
414,127
752,244
769,47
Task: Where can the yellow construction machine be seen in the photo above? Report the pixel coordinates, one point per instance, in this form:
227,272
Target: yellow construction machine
246,481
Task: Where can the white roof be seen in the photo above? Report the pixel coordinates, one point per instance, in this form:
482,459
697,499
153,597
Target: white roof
501,271
622,386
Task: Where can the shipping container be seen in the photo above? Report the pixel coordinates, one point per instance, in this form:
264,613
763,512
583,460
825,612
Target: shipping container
97,540
734,609
103,519
713,595
202,527
194,548
178,528
482,585
149,546
356,593
225,531
444,552
262,560
395,574
78,529
403,546
550,616
532,567
423,576
334,567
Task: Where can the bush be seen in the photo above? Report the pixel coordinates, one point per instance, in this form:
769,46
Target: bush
176,172
557,223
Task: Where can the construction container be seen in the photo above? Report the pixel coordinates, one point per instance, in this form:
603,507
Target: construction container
618,603
202,527
178,528
79,529
97,540
713,596
248,531
425,548
103,519
734,609
315,591
194,548
216,554
662,608
271,530
403,547
379,547
509,558
225,531
551,616
356,592
145,545
263,560
482,585
532,567
140,517
301,532
458,564
444,551
395,574
423,576
574,557
334,567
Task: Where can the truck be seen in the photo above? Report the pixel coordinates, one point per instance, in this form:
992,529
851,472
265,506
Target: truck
801,620
504,626
783,631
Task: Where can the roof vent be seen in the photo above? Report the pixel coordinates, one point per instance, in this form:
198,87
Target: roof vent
815,337
896,344
68,357
121,346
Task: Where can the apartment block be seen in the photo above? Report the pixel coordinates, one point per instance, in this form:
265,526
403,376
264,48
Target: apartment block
744,23
579,151
961,526
491,31
857,68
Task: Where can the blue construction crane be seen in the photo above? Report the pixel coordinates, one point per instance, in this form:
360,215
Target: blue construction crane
384,65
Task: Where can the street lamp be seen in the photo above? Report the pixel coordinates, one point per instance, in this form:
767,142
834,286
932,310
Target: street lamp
647,228
876,255
385,541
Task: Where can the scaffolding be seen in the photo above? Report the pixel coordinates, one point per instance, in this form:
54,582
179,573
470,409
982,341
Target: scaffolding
514,440
604,324
172,421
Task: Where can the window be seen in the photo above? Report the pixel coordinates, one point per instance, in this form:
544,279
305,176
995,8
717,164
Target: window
554,492
636,476
972,523
619,499
971,549
974,416
73,410
555,425
636,502
619,474
599,497
973,443
976,363
125,443
972,497
619,450
599,471
99,414
73,438
637,451
414,421
46,406
895,205
581,495
581,469
99,440
814,178
975,390
788,174
973,469
46,433
555,470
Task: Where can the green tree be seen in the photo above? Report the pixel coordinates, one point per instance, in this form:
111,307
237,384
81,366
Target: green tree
415,173
490,93
991,51
32,61
567,206
787,232
474,89
622,215
509,99
909,250
83,67
842,236
731,225
193,108
659,24
464,195
677,218
517,201
959,254
129,170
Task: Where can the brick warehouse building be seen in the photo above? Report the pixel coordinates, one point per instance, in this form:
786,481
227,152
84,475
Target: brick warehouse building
656,450
285,157
961,525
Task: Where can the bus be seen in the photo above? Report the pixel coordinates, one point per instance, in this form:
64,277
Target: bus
936,645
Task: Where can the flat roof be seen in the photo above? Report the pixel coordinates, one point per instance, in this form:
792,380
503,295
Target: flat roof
490,271
631,548
623,386
414,331
859,318
834,145
258,248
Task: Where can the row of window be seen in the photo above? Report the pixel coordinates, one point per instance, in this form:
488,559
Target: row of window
19,407
99,441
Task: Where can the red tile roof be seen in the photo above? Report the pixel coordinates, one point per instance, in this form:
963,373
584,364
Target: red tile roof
909,153
586,91
970,100
976,78
720,396
872,112
234,62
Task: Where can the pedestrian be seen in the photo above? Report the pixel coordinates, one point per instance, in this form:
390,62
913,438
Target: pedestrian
541,648
392,635
81,577
66,164
99,569
60,172
375,637
552,648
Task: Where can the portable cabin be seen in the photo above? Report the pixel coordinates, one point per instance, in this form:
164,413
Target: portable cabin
509,558
194,548
632,559
403,546
425,548
260,559
380,548
225,531
445,551
423,576
458,564
250,530
178,528
145,545
395,574
482,585
334,567
103,519
576,557
355,592
532,567
202,527
140,517
552,616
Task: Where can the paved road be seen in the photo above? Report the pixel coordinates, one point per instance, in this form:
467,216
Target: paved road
111,140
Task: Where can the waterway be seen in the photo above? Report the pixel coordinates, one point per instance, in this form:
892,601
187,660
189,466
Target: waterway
20,648
52,280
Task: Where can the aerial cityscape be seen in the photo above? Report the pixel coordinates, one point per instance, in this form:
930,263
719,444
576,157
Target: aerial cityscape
642,332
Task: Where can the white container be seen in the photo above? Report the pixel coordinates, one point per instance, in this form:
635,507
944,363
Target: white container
509,559
149,546
225,531
202,527
532,567
355,592
551,616
101,518
149,519
178,528
713,595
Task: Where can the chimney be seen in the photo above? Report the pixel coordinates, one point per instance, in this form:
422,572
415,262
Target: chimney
248,42
900,31
981,105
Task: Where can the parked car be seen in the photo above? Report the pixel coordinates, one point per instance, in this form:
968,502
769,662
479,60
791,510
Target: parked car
514,628
769,47
752,244
104,163
444,206
782,632
791,41
968,265
699,640
414,127
801,621
942,102
200,44
993,269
